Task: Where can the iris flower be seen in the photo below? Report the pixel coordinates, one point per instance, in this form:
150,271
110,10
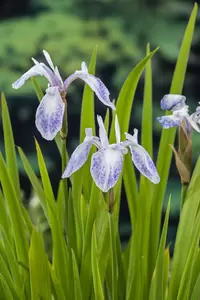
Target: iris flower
180,115
107,162
50,112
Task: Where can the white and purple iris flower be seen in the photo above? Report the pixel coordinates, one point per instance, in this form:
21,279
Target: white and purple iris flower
107,162
50,112
180,115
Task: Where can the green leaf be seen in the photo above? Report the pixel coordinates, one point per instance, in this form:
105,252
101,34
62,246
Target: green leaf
123,111
12,262
147,129
168,136
126,97
11,159
59,249
76,279
39,270
4,290
157,290
196,290
85,274
184,287
15,213
184,239
88,121
34,181
98,289
57,290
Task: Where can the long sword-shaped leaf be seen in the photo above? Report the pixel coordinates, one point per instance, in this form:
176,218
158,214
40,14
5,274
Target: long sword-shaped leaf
39,269
14,207
11,159
165,153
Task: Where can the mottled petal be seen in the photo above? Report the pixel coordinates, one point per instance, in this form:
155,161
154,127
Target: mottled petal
144,163
49,114
48,59
169,121
94,83
102,133
78,158
34,71
117,130
106,167
172,102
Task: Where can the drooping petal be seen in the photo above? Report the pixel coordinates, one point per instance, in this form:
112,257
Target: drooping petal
117,130
34,71
49,114
169,121
102,133
94,83
172,102
106,167
78,158
144,163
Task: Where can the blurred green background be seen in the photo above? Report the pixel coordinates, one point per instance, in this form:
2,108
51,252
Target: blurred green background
69,30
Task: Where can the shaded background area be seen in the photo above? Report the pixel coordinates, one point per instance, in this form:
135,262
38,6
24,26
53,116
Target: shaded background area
69,30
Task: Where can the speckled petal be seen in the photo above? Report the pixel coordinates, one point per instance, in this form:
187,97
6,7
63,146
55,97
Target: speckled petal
106,167
172,102
169,121
94,83
78,158
144,163
34,71
49,114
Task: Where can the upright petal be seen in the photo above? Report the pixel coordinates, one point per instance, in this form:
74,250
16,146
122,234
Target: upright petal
102,133
194,120
169,121
144,163
106,167
117,130
78,158
48,59
94,83
172,102
49,114
34,71
47,73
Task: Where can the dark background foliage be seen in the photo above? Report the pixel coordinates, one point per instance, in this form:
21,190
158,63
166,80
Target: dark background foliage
69,30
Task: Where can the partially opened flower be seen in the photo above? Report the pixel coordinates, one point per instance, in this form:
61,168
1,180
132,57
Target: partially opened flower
180,115
181,118
50,112
106,163
141,158
175,103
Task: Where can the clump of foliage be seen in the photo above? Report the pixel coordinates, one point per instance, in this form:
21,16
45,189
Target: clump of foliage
87,259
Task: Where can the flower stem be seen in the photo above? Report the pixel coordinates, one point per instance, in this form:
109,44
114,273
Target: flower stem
63,136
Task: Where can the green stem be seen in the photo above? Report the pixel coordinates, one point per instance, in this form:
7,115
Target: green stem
183,194
63,137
